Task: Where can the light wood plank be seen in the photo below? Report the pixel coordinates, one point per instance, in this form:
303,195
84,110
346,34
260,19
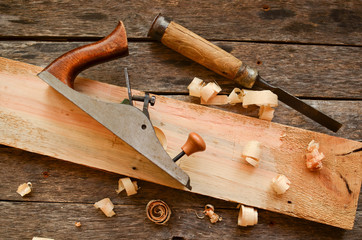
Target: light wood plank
46,123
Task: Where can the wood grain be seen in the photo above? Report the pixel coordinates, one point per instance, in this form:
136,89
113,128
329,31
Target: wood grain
64,193
327,22
282,152
70,64
200,50
306,71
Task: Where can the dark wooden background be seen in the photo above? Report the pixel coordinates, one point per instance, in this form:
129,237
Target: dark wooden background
310,48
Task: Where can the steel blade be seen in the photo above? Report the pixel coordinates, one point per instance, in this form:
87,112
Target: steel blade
300,106
126,122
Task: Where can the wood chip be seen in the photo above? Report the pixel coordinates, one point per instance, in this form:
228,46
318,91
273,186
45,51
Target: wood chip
217,100
24,189
313,156
248,216
280,184
161,137
209,91
195,87
251,153
158,212
236,96
209,211
266,113
106,206
128,185
260,98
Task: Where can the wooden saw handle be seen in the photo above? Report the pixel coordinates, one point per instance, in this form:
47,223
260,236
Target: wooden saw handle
202,51
69,65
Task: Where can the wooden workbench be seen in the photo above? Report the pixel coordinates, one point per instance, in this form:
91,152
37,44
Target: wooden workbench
312,50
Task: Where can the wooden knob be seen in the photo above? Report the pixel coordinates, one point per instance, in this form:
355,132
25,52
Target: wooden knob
194,143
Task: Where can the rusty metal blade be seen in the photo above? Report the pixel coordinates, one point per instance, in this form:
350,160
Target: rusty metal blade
300,106
127,122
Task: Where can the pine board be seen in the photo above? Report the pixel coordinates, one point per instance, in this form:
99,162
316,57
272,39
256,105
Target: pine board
44,122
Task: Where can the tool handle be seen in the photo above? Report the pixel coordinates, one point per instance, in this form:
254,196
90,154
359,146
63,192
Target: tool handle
202,51
194,143
69,65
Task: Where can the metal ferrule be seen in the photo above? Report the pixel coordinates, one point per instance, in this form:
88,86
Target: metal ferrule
158,28
246,76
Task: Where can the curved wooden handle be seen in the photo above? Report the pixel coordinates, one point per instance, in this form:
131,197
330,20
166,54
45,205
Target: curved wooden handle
194,143
201,51
69,65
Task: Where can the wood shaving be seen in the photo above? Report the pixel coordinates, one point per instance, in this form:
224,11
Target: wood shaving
24,189
195,87
251,153
128,185
217,100
209,91
161,137
266,113
314,157
158,211
260,98
280,184
209,211
236,96
106,206
248,216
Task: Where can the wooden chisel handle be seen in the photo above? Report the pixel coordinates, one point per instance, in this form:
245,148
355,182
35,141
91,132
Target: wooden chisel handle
69,65
202,51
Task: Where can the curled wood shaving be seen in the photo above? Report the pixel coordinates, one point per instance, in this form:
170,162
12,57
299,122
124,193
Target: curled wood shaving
158,211
248,216
217,100
209,211
251,153
195,87
266,113
209,91
314,157
24,189
161,137
106,206
260,98
128,185
280,184
236,96
199,217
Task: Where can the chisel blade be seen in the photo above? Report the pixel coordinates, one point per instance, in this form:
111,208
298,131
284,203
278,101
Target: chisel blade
300,106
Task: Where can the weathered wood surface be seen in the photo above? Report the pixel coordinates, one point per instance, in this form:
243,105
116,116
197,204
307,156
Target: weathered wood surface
64,193
35,118
282,21
305,71
326,24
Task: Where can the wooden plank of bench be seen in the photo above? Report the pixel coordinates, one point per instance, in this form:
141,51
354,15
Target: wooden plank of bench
296,21
36,118
303,70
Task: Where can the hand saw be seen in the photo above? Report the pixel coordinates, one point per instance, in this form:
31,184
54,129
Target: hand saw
214,58
126,121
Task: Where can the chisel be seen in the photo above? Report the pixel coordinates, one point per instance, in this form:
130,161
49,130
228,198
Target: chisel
216,59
